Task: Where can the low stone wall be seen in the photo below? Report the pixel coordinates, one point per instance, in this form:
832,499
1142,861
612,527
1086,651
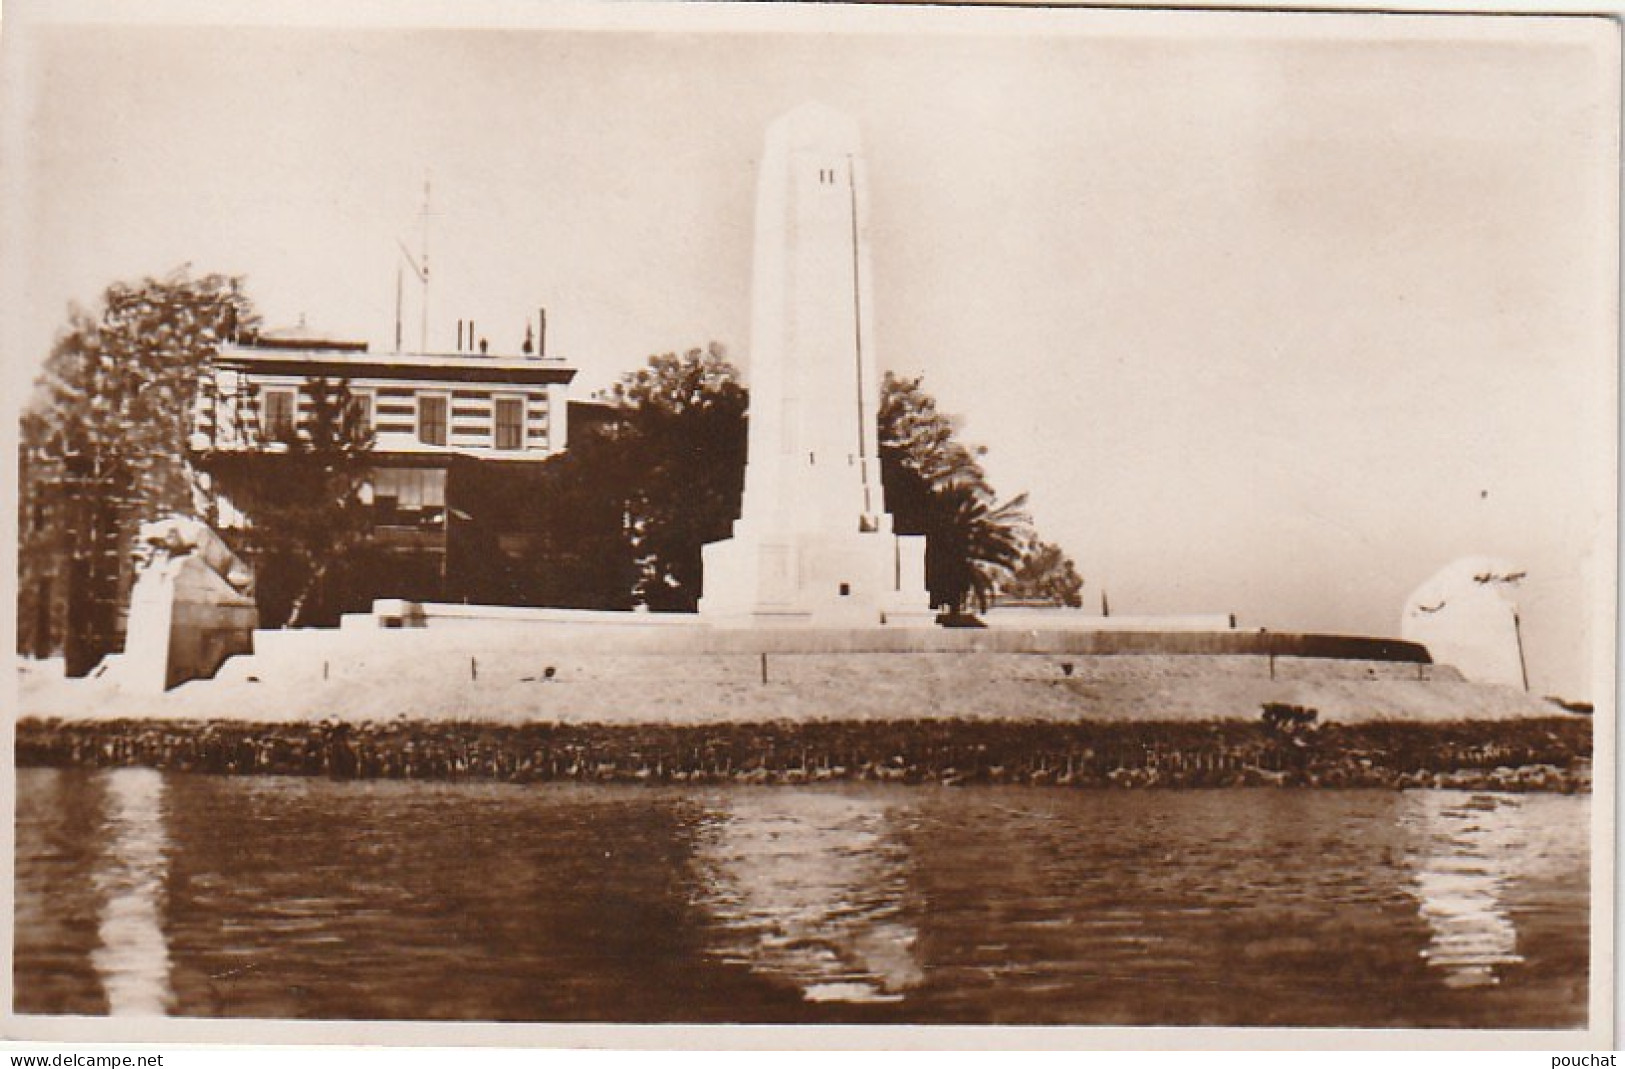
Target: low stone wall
672,633
1543,754
1035,617
473,661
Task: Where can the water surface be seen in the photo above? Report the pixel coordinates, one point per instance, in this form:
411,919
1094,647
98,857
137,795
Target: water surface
144,892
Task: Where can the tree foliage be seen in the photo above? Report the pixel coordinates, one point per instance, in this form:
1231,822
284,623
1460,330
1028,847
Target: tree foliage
115,397
936,486
1045,575
564,523
684,446
307,522
102,449
617,521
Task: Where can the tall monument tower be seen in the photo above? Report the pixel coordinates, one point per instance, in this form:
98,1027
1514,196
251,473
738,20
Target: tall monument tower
813,544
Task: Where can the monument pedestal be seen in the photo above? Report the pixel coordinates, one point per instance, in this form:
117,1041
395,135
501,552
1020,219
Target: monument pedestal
827,578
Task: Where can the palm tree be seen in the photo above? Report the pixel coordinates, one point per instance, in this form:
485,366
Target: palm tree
976,543
936,486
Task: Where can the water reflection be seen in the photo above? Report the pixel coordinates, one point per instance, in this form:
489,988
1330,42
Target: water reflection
133,959
1463,857
313,898
808,886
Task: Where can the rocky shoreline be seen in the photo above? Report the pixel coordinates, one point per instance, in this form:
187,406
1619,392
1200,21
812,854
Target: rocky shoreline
1538,754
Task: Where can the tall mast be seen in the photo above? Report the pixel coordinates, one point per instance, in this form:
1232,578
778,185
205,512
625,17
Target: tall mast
398,284
420,268
423,337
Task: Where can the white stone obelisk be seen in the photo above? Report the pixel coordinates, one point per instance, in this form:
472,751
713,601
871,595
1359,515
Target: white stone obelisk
813,544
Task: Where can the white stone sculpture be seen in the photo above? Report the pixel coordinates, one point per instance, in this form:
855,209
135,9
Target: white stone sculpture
192,607
1466,616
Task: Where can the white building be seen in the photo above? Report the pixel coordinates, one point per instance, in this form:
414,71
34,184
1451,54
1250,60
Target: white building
425,410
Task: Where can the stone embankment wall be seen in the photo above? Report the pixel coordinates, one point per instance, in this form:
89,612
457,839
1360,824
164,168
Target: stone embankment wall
432,676
1545,754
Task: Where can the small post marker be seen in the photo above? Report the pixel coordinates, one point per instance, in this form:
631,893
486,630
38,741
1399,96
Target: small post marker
764,667
473,669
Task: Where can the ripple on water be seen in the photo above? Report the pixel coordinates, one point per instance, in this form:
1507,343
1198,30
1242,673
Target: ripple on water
808,890
216,896
1463,857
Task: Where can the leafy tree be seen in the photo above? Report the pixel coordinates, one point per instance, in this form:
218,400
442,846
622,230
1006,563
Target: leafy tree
618,519
936,486
683,451
568,516
103,449
1047,575
307,523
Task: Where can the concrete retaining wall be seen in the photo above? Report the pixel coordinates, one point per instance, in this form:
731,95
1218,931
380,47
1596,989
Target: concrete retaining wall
444,655
686,634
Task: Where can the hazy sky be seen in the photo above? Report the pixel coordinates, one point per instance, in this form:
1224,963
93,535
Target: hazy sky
1274,315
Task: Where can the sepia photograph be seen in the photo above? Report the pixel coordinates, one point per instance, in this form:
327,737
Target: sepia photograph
548,515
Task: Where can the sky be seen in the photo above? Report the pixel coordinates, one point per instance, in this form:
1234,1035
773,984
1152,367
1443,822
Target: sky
1270,314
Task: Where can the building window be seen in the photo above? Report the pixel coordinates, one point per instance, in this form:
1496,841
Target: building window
509,415
276,414
431,419
408,496
361,403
